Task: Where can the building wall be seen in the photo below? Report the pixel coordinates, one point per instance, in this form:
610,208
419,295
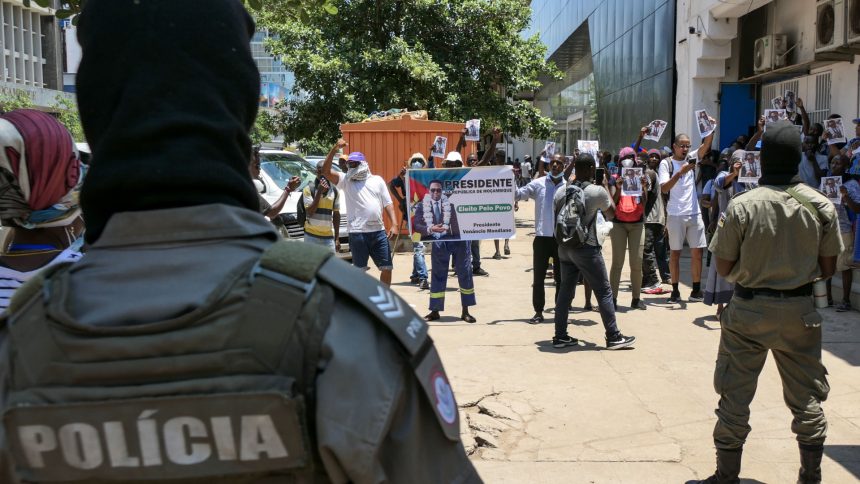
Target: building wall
31,52
712,55
632,59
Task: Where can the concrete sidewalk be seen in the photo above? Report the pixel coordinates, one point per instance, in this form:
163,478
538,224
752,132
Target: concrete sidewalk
532,413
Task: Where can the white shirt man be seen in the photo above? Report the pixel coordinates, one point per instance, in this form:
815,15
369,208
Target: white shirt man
677,177
366,197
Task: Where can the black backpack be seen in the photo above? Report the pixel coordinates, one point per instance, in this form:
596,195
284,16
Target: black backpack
570,228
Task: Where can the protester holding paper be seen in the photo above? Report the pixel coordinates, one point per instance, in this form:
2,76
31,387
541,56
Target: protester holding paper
678,180
848,198
628,228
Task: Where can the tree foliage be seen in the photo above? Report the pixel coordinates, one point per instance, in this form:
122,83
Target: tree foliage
457,59
298,8
63,109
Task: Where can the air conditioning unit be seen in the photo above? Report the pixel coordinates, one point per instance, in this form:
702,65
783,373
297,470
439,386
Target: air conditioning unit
853,22
830,26
769,53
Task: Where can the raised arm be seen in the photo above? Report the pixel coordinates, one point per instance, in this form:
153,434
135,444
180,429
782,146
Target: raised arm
642,133
327,171
709,139
757,136
803,116
490,151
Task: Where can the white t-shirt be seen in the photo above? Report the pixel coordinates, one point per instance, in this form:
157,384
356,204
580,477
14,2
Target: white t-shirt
682,198
365,201
11,280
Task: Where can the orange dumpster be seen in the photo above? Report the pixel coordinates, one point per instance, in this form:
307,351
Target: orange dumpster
387,145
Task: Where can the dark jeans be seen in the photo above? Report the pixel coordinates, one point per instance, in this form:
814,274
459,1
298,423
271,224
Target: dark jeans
587,261
542,249
654,256
476,255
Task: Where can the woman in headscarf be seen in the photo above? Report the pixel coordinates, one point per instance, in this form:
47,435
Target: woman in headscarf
40,174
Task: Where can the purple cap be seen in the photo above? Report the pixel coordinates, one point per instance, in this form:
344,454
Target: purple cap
625,152
357,156
856,120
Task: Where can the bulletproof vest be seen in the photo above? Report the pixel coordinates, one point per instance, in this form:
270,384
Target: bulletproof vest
224,393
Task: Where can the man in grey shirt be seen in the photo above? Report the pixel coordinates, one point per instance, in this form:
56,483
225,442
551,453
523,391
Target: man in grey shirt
587,260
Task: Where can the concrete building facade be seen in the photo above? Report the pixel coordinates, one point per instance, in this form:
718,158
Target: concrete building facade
734,58
31,53
617,58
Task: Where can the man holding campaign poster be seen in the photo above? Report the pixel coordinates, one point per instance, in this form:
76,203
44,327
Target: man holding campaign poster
452,206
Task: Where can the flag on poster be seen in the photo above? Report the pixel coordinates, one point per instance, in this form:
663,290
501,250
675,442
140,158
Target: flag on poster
450,204
473,130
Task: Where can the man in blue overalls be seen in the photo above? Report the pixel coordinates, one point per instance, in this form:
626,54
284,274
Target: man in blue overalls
443,251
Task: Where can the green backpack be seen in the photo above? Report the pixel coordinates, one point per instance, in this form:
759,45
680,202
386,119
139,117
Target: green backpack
224,393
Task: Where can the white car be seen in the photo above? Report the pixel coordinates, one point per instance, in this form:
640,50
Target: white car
276,169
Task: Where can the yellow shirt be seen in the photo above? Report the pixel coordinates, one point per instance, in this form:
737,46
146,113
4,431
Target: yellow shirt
320,224
775,240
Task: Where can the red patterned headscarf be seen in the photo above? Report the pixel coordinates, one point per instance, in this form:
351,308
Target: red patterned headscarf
39,170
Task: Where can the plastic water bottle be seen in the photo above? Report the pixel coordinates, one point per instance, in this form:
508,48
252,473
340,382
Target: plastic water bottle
819,292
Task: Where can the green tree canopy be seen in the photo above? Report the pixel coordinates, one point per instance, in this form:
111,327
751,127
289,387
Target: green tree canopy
298,8
457,59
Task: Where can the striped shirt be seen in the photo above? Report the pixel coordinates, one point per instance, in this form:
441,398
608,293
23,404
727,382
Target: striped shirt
320,224
11,280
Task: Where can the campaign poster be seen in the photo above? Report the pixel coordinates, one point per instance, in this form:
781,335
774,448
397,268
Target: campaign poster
750,167
703,121
473,130
450,204
549,148
830,188
439,145
790,101
589,146
655,130
631,182
776,102
834,131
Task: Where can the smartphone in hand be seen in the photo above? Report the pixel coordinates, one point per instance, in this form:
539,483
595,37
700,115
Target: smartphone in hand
599,175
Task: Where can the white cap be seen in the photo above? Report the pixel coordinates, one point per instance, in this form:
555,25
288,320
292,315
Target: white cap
454,156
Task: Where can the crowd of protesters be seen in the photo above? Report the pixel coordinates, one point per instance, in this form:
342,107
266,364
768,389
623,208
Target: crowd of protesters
685,189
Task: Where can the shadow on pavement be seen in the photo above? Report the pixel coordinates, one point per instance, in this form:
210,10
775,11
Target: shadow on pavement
545,346
582,322
702,321
522,320
848,456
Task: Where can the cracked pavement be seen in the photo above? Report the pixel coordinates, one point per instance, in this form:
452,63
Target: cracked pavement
583,414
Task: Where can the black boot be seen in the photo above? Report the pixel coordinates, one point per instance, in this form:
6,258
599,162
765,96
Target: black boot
810,464
728,468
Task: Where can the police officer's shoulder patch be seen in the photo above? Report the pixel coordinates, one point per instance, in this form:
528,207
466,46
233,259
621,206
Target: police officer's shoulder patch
408,328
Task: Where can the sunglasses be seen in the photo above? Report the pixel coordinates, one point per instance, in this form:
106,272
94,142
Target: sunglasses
684,147
435,190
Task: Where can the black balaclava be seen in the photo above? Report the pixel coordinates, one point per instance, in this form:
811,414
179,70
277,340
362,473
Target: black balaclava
780,154
167,92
